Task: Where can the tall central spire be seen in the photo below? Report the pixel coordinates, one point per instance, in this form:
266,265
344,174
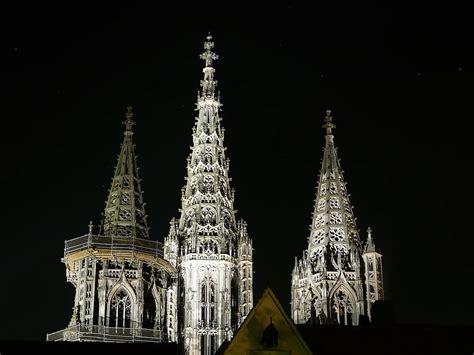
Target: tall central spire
210,249
208,191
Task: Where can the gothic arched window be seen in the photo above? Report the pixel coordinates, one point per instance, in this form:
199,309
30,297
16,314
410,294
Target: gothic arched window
342,308
120,310
208,299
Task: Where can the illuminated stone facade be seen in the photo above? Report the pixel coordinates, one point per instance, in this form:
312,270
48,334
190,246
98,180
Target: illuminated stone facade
197,288
337,279
210,249
119,274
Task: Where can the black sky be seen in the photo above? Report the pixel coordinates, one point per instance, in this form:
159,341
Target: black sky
399,82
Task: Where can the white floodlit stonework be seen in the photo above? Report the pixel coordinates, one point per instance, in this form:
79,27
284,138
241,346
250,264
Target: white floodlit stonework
197,288
210,249
337,279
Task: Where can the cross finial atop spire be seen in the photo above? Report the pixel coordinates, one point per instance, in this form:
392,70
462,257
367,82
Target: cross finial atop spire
328,122
209,55
129,122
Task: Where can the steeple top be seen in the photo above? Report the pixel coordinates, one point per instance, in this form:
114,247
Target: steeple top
129,123
328,123
124,214
208,56
370,245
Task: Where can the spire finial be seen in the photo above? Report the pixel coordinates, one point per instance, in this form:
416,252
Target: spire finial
328,123
369,232
129,123
209,55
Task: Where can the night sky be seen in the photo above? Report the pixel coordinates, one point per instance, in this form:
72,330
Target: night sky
399,81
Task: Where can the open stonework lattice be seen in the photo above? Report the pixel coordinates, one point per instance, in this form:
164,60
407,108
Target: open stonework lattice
210,249
337,280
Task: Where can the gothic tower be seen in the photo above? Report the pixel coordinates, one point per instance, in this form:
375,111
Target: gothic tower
210,249
328,281
120,276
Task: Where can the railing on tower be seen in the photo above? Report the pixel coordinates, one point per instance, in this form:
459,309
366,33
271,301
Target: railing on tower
113,244
81,332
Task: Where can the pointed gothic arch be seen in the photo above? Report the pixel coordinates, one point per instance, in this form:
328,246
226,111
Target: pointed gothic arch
342,307
121,304
120,309
342,304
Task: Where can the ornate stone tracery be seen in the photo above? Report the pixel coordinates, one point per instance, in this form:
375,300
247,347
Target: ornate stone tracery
210,249
332,264
342,308
119,275
120,310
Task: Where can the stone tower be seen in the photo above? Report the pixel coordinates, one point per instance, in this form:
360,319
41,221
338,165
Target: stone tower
210,249
119,274
328,281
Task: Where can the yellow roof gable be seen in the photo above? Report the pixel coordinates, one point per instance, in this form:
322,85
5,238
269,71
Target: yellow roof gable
250,338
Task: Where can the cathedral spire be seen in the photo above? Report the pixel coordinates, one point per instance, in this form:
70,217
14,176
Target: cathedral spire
125,210
212,252
333,221
331,276
207,197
